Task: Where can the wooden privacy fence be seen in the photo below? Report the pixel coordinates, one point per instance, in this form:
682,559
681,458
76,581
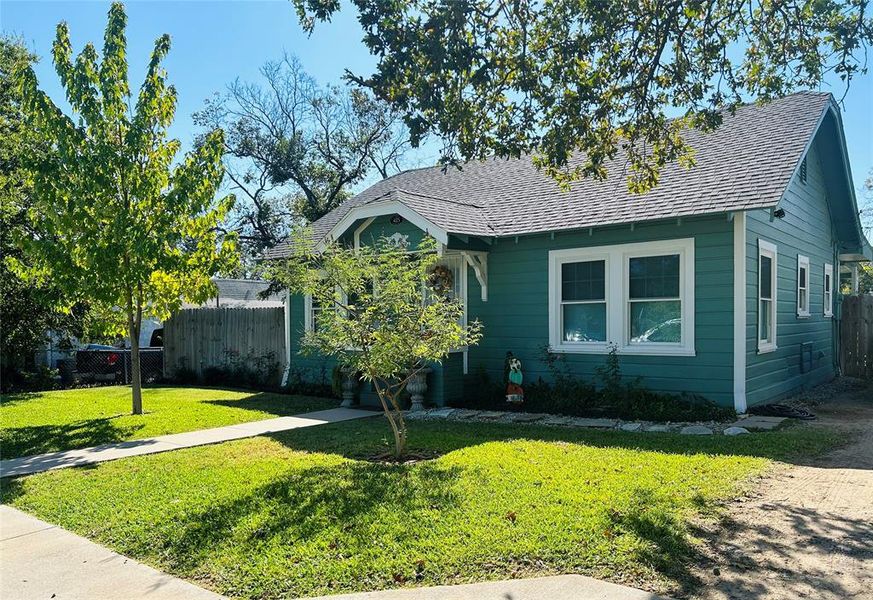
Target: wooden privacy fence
198,338
856,336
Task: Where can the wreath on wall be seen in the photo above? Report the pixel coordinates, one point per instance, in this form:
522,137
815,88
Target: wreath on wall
441,280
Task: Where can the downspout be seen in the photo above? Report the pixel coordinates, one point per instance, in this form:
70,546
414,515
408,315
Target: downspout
740,291
836,308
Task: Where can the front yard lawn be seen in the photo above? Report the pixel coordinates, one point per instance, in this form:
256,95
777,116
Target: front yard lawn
304,513
34,423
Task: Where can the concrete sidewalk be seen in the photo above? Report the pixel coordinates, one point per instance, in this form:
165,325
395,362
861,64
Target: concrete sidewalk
560,587
85,456
39,560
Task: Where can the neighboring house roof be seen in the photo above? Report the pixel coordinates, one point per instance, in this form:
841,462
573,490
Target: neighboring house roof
747,163
241,293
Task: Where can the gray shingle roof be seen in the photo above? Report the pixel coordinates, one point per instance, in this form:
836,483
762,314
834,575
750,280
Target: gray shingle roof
241,293
745,164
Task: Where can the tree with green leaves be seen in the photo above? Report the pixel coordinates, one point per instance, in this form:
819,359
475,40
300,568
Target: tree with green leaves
294,148
27,311
577,81
380,313
113,221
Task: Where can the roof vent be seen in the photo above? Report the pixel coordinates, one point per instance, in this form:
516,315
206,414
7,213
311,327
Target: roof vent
803,170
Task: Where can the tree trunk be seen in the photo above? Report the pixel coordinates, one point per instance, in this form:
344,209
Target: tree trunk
400,439
134,324
395,419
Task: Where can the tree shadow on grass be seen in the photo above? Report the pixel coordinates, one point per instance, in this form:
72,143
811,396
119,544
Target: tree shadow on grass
38,439
364,438
278,404
16,397
333,504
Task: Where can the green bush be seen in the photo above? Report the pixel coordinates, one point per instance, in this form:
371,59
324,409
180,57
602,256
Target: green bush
613,396
253,371
303,382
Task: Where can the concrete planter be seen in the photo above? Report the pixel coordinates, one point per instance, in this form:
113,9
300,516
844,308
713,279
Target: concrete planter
350,387
417,387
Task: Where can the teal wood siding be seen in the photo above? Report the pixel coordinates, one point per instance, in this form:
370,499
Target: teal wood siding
806,230
313,369
383,227
516,316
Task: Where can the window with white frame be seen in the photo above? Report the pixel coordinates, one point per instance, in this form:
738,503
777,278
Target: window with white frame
583,301
654,299
638,296
766,296
311,310
802,286
828,290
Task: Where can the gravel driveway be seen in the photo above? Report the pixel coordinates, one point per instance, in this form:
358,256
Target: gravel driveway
807,530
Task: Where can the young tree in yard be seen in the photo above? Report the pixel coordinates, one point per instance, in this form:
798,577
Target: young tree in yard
113,221
506,77
293,149
379,314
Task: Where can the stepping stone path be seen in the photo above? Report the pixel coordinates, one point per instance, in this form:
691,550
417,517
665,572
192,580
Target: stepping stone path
657,428
696,430
494,416
760,423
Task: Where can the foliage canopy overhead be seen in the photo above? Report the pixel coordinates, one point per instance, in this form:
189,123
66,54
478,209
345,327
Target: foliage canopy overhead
576,81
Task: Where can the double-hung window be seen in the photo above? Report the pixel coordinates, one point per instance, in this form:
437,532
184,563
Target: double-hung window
583,301
639,297
802,286
766,296
828,300
654,299
311,311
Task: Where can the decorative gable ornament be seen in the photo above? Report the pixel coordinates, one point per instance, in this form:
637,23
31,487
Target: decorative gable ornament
398,240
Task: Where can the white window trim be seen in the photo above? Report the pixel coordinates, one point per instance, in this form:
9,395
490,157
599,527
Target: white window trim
307,312
455,256
617,259
766,248
802,263
828,296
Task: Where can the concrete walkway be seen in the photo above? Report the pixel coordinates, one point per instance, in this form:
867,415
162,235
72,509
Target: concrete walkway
85,456
39,560
560,587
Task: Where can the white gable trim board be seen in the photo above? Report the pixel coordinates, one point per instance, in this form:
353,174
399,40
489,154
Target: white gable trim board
378,209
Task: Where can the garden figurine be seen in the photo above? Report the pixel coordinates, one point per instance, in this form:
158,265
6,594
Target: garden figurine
514,391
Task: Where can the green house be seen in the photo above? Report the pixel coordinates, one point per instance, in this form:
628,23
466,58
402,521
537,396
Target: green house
722,281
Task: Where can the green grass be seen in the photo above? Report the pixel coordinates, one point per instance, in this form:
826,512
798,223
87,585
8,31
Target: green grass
34,423
300,513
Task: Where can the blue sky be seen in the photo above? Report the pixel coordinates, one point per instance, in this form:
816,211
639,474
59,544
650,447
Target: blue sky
215,42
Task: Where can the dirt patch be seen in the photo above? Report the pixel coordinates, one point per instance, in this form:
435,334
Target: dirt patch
807,529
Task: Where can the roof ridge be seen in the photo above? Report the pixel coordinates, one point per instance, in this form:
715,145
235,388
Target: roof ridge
440,198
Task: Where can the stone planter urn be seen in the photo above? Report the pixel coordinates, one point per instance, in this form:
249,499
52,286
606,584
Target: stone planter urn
350,386
417,387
